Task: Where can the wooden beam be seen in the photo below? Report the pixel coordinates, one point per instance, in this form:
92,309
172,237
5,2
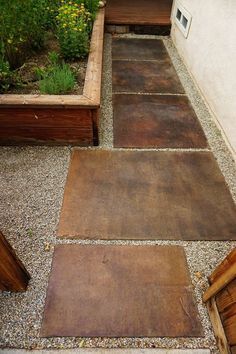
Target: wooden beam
13,275
218,327
93,78
220,283
227,262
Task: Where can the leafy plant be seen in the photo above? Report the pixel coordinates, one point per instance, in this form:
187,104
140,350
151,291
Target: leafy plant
57,79
73,30
22,28
92,6
5,75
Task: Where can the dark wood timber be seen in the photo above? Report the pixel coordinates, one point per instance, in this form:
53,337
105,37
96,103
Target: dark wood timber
13,275
222,292
120,291
233,349
223,267
146,121
145,76
50,126
126,195
142,49
226,303
138,12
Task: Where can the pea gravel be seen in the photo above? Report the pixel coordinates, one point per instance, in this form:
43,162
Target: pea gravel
32,181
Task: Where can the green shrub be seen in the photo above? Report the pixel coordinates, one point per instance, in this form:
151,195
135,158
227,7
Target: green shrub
22,24
57,78
73,30
51,11
5,75
92,7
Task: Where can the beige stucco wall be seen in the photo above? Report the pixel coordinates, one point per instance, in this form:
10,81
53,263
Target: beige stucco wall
210,55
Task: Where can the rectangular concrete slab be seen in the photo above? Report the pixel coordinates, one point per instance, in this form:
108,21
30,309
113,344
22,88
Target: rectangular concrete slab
146,195
135,48
145,77
106,351
120,291
153,121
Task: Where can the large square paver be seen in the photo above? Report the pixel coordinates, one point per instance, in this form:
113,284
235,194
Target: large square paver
149,121
141,49
120,291
146,195
145,77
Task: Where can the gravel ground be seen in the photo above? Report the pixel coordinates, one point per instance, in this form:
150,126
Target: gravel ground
31,185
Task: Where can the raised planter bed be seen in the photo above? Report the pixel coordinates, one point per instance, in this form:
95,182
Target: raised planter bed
58,120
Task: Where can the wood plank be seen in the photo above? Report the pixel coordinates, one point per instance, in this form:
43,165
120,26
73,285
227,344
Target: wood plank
226,297
220,283
226,304
138,12
233,349
217,327
93,79
156,298
13,275
45,100
50,117
227,262
45,135
229,325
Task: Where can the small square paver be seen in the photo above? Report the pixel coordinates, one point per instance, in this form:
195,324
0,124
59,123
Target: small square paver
146,195
153,121
120,291
141,49
145,77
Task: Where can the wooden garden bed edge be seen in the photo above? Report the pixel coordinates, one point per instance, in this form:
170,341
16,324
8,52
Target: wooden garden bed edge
91,97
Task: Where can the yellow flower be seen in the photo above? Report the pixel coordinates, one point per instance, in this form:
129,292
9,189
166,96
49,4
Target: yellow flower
9,41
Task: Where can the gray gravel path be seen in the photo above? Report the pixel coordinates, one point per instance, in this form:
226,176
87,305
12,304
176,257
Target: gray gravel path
31,187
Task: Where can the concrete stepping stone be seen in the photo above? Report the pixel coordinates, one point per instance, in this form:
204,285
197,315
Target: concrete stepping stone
146,195
150,121
145,77
120,291
141,49
107,351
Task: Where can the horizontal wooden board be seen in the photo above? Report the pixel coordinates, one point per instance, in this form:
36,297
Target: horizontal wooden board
138,12
47,117
44,135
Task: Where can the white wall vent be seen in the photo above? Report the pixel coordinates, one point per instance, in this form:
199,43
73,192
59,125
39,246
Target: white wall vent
182,19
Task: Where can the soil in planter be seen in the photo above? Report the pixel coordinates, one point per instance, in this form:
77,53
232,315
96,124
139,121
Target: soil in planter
26,74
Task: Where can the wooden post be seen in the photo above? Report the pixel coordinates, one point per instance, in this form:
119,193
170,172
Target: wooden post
13,275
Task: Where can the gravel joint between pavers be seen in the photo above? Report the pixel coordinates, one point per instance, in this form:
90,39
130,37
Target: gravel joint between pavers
32,183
